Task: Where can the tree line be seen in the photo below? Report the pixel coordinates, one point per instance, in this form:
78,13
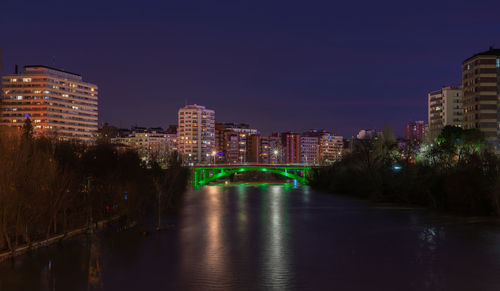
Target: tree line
457,172
49,186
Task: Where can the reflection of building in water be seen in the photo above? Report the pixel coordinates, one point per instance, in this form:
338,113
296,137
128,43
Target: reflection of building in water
430,238
242,213
47,279
95,266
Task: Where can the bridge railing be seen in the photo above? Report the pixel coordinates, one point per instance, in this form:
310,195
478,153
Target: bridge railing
257,164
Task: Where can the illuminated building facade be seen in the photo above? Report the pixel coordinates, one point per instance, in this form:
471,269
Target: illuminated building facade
290,143
232,142
57,102
150,143
331,148
196,134
264,149
445,107
481,89
309,149
415,131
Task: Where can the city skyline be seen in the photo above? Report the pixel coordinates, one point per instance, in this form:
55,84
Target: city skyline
332,71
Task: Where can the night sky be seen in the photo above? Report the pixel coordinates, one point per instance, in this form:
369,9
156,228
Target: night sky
278,65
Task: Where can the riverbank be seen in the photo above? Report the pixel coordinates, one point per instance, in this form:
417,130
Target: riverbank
471,187
458,173
21,250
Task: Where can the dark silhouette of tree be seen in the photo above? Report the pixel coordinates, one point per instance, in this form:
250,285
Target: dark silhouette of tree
27,130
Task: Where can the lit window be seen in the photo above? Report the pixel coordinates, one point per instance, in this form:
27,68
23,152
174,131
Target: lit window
498,63
26,80
13,80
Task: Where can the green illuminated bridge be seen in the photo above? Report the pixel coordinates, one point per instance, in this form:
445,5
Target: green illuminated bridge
204,174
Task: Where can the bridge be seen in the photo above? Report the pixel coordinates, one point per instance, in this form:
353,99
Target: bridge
204,174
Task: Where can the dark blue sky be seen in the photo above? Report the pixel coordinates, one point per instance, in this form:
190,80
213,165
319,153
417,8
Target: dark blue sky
278,65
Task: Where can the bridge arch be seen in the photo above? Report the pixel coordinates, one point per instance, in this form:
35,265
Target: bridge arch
205,175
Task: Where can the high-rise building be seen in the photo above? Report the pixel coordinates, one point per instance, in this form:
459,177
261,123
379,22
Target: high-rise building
264,149
445,107
232,141
309,149
331,148
56,101
415,131
290,143
196,134
481,89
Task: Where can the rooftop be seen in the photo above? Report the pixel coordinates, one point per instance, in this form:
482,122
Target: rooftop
28,67
491,52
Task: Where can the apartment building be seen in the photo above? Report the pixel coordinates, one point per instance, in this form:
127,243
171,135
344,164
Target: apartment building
445,107
264,149
415,131
331,148
232,141
196,134
57,102
481,93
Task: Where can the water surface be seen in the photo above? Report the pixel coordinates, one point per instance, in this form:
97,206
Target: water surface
274,237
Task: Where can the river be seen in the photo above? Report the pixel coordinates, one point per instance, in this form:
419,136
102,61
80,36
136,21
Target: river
274,237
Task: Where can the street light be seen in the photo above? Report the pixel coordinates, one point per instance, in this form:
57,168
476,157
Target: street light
275,156
213,154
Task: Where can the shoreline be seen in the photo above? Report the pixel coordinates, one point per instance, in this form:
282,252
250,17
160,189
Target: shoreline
23,249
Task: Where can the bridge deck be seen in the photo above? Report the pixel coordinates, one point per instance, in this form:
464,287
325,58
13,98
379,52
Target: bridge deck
255,165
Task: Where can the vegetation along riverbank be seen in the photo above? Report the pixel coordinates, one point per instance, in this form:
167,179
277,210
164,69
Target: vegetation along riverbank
456,172
50,187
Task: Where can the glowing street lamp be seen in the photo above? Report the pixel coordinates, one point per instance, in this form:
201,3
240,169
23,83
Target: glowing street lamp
275,156
213,155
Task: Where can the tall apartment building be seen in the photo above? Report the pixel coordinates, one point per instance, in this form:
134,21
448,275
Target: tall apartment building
264,149
445,107
232,141
290,143
481,89
309,149
331,148
56,101
196,134
415,131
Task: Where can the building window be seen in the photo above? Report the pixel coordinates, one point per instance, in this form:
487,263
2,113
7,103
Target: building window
498,63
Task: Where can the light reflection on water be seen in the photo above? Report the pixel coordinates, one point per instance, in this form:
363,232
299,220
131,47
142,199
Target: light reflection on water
276,228
275,237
